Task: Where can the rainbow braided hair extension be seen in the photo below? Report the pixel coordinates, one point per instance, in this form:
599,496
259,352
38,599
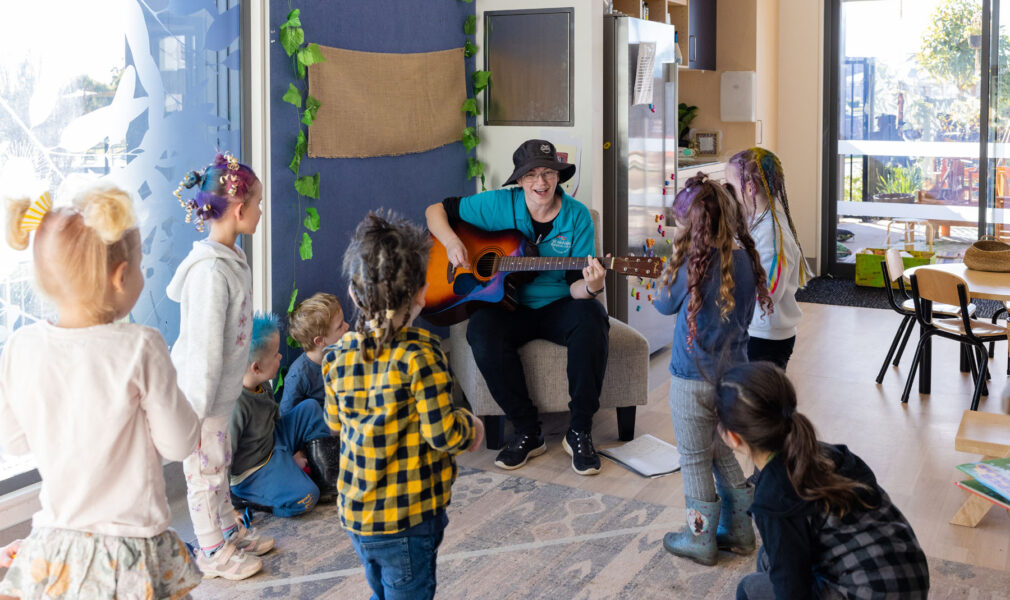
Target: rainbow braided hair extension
771,177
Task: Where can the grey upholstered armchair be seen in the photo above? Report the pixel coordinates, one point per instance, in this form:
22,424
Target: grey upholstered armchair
625,385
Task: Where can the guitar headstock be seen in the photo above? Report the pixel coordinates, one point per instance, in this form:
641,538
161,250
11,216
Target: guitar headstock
650,267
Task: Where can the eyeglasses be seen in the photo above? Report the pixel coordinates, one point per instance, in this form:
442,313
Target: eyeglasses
548,176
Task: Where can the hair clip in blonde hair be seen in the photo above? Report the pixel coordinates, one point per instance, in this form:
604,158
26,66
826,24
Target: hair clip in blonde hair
36,212
232,176
390,313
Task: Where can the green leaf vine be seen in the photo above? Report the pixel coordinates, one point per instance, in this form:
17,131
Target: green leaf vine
480,80
292,39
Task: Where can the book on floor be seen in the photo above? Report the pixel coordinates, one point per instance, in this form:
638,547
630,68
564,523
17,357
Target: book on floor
646,455
980,490
993,474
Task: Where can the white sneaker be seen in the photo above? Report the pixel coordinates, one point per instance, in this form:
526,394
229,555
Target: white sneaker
228,562
250,542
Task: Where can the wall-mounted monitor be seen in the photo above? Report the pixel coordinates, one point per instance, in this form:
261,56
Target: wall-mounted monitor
529,55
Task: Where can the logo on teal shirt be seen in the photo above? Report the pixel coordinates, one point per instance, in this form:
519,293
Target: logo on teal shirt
561,244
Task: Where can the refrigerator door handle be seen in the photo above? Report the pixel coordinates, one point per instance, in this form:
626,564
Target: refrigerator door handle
669,72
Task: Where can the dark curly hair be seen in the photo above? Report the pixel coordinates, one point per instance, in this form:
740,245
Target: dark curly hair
708,218
385,264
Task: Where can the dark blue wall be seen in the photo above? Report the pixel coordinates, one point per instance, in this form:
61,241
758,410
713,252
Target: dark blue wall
349,188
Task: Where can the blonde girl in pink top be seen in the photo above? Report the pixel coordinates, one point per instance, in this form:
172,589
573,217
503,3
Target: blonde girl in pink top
95,402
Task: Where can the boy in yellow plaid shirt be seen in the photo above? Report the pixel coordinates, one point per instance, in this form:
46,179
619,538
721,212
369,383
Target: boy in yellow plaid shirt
389,398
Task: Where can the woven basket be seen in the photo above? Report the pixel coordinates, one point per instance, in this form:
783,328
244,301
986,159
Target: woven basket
988,255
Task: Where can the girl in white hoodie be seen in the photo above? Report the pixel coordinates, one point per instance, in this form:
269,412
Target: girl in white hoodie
214,288
96,404
756,179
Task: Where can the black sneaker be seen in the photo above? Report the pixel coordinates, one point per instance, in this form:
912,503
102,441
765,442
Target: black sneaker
579,445
522,447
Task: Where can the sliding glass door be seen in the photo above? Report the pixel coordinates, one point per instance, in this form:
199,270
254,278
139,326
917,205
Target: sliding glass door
916,115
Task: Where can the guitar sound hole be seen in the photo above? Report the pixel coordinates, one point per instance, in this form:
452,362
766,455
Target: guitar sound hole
484,267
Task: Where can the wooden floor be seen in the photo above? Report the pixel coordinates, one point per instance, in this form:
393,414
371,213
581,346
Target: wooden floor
910,447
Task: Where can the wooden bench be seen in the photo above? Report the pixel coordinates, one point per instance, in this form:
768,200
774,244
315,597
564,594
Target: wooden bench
987,434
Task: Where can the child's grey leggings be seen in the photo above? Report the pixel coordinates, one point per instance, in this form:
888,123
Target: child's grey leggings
701,449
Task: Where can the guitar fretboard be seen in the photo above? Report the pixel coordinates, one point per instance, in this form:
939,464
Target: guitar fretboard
548,263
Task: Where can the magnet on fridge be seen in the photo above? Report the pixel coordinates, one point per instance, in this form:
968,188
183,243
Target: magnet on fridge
639,307
638,295
657,216
662,217
650,242
668,243
633,292
649,297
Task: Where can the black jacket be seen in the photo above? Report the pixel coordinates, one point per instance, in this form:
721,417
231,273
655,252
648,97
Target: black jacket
868,553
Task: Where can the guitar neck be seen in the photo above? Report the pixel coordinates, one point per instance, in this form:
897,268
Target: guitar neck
549,263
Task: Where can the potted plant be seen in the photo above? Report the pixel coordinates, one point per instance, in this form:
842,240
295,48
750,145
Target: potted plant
685,114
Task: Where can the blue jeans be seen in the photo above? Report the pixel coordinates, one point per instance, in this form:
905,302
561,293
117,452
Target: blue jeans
401,566
280,484
757,586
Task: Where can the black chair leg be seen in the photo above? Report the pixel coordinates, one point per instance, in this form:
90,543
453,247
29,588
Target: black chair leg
964,358
494,431
904,340
979,382
894,344
992,345
915,366
626,423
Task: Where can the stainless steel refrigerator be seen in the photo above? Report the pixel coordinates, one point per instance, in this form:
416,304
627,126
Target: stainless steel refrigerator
639,161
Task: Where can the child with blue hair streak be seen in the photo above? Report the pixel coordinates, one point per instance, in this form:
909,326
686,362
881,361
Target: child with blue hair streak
270,450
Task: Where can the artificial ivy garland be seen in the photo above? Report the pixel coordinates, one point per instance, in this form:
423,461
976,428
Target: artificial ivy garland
292,38
480,81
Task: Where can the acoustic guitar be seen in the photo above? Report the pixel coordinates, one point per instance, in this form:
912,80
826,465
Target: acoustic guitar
497,260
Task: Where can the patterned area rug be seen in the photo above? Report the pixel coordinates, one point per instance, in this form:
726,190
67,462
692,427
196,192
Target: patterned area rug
511,537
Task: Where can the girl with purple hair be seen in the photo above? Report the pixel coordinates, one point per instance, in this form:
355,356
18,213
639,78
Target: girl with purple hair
213,285
756,178
710,282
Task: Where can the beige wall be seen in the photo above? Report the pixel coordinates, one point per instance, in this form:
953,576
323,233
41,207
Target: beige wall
736,44
768,74
800,107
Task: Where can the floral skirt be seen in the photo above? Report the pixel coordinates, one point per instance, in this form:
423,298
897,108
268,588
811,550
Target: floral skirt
63,563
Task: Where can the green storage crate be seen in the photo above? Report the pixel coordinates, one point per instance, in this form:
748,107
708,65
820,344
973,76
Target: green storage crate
868,271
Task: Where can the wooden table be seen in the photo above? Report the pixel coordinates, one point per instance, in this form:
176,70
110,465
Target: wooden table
983,285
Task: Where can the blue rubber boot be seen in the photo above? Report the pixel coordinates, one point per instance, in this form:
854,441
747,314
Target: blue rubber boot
697,540
735,532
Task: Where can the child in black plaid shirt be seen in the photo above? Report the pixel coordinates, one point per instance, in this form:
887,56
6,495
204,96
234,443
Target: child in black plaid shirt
829,530
389,398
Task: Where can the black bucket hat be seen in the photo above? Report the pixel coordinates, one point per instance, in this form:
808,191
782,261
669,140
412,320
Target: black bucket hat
538,153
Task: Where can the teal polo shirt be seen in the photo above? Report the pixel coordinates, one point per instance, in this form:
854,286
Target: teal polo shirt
571,235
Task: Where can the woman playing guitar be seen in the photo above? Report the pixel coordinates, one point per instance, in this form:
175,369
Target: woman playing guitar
558,306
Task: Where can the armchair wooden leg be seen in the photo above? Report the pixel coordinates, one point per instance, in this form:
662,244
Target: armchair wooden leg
626,423
494,431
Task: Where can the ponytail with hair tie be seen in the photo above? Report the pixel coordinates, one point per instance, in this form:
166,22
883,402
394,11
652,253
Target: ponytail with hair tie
25,216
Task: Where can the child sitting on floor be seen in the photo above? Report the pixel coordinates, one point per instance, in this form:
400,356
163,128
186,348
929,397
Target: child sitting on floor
315,324
829,530
269,450
95,402
389,396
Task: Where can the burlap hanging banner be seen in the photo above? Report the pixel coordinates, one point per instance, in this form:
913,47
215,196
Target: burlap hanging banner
379,104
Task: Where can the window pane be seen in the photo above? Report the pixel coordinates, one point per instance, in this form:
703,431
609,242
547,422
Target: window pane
908,139
137,95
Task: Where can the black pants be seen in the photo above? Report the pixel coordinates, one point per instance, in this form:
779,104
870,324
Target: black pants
495,336
775,351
